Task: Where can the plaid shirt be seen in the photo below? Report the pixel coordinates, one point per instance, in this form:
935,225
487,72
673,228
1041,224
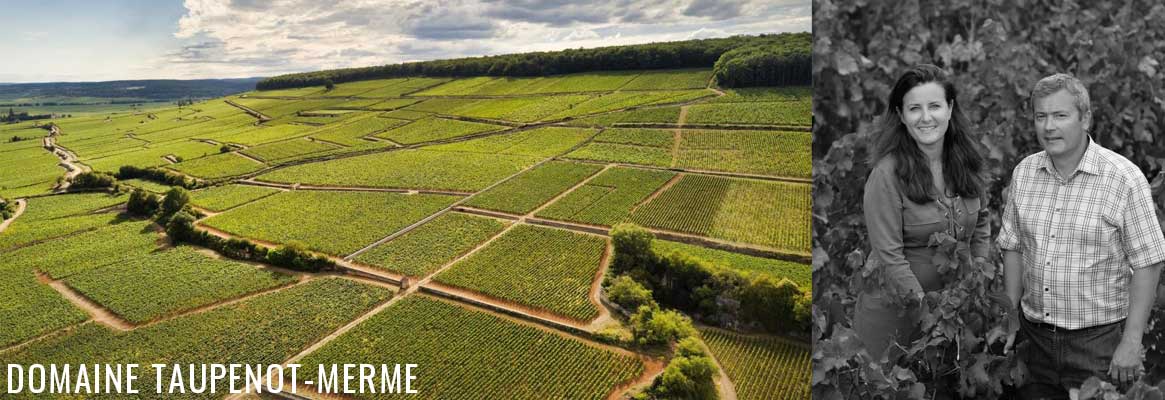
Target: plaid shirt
1080,236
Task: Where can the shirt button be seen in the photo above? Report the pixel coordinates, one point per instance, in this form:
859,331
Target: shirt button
1047,289
1053,236
1047,314
1049,263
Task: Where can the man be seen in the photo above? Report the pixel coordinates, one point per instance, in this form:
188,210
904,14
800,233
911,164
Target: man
1082,251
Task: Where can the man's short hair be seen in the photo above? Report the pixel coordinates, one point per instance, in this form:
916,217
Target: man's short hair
1054,83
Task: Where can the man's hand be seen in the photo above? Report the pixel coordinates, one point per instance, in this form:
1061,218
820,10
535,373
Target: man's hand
1126,364
1012,330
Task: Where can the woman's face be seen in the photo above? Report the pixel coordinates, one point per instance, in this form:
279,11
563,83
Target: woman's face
926,114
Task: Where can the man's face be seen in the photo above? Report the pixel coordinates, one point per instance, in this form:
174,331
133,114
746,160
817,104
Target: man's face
1059,126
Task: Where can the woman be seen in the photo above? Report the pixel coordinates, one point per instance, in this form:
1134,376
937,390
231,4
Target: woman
925,179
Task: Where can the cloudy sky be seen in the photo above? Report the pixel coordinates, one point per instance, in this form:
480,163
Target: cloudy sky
143,39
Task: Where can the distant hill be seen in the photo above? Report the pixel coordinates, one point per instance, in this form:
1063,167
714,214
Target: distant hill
60,93
738,61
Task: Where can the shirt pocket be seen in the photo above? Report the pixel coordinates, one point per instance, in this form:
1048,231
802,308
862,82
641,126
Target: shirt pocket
920,221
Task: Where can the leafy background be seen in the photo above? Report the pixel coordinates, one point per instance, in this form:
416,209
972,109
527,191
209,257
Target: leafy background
995,51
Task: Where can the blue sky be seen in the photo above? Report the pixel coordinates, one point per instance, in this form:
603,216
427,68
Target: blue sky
126,39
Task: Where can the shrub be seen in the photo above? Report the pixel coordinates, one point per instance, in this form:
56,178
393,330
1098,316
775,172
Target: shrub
142,203
295,256
89,180
226,148
176,198
654,326
771,303
629,294
181,227
686,378
632,246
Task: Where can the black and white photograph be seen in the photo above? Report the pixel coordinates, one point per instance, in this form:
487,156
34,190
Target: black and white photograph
987,196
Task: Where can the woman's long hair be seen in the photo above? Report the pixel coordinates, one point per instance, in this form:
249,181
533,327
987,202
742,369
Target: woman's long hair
962,163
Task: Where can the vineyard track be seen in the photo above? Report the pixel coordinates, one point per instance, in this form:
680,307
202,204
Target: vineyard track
663,188
170,159
256,160
567,191
678,133
488,213
68,160
97,313
746,249
724,385
806,181
289,186
258,115
506,306
21,204
596,292
43,335
208,213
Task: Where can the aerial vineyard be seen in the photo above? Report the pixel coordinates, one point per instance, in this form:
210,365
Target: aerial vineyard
801,274
407,169
469,346
155,285
336,223
265,329
539,142
532,188
771,214
609,198
761,367
497,190
55,216
225,197
623,153
218,166
543,268
425,249
774,113
772,153
66,256
431,129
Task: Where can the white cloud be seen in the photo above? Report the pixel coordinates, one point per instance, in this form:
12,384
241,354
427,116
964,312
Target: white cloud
232,38
581,34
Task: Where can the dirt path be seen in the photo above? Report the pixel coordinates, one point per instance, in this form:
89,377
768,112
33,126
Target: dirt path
663,188
254,113
724,385
67,160
604,317
288,186
678,135
42,336
256,160
21,204
651,368
99,314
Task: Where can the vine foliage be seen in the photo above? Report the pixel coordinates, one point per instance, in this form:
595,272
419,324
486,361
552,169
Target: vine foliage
995,51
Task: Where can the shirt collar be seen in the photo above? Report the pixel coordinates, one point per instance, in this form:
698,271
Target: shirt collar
1089,163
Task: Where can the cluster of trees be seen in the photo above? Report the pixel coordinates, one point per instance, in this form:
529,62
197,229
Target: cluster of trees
689,373
13,116
767,63
716,295
7,209
749,67
159,175
175,213
122,92
92,180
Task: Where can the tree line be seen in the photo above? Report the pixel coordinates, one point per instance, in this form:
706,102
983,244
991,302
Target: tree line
738,61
